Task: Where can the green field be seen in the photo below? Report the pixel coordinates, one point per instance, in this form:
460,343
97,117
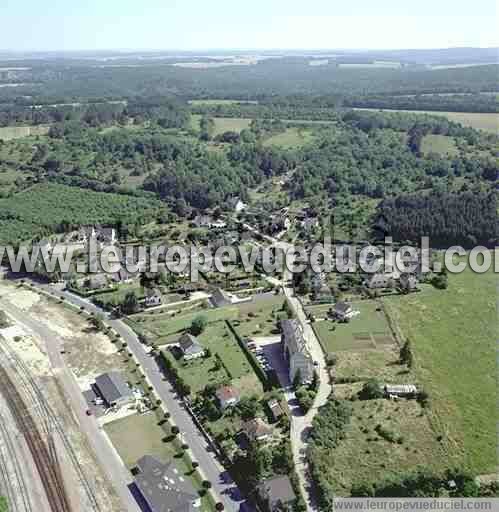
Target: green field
221,102
226,124
385,64
367,330
439,144
250,318
291,138
18,132
480,121
138,435
453,333
40,209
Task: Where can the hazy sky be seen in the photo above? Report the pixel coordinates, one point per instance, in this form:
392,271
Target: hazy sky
203,24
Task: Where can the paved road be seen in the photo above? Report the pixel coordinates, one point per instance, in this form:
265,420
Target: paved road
223,485
301,424
108,459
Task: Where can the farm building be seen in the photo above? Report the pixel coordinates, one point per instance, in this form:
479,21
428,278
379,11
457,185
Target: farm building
114,390
296,352
400,390
190,346
164,488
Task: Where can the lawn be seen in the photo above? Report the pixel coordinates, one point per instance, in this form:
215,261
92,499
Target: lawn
167,326
364,456
138,435
367,330
221,102
453,333
439,144
480,121
291,138
259,317
226,124
198,373
18,132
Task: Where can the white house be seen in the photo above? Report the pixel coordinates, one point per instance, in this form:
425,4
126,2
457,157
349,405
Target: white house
153,298
190,347
227,396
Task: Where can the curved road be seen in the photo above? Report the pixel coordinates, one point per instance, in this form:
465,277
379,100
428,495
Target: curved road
223,485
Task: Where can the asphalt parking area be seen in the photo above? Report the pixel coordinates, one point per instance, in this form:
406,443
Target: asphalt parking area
272,349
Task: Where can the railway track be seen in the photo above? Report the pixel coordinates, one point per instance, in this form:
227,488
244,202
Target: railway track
16,490
47,467
49,421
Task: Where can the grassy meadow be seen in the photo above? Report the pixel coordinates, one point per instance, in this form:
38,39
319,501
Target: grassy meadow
454,333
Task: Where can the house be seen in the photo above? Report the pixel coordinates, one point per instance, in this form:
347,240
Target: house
310,223
153,297
342,311
44,245
227,396
256,430
96,282
320,289
296,352
400,390
408,282
190,347
377,281
164,488
220,298
237,205
207,221
114,390
103,235
276,493
107,235
275,409
278,223
122,276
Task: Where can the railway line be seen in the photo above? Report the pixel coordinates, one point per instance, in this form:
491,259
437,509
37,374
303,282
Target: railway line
15,489
37,406
45,463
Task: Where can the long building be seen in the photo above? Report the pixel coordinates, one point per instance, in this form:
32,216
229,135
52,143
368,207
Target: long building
296,352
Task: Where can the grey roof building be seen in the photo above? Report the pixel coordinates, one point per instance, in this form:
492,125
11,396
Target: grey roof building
164,488
113,389
276,492
220,298
296,352
190,346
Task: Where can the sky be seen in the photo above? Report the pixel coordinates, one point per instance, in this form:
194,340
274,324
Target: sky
257,24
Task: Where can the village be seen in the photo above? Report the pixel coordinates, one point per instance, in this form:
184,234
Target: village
235,349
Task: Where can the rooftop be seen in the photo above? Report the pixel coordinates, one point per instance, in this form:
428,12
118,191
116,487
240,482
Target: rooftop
164,487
